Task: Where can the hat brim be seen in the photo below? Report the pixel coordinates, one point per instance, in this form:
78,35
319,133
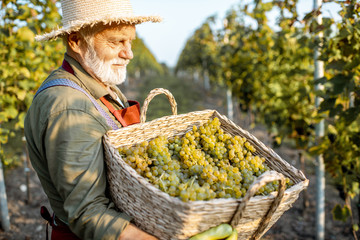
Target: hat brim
77,25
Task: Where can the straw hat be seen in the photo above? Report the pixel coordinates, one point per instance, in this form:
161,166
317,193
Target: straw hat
80,13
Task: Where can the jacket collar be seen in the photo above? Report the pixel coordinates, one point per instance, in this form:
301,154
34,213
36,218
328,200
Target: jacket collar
91,84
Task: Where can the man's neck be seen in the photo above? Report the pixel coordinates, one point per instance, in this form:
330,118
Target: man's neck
111,92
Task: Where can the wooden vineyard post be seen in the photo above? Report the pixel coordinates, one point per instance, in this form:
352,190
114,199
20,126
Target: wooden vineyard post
229,103
5,220
320,166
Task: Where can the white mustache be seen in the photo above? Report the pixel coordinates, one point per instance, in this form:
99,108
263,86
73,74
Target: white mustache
119,62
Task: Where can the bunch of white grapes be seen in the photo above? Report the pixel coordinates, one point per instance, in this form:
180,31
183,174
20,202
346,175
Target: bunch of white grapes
204,164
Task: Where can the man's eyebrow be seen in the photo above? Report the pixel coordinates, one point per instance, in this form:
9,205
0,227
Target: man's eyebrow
112,38
120,38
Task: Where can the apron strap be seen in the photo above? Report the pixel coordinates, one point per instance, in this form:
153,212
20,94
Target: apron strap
68,83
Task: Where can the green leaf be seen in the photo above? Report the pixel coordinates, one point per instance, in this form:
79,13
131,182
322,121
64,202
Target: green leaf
352,64
327,104
339,83
4,131
11,112
355,188
335,111
350,115
321,80
332,129
355,227
24,72
3,117
267,6
21,94
336,65
21,119
341,213
278,140
3,139
310,15
25,34
317,150
4,135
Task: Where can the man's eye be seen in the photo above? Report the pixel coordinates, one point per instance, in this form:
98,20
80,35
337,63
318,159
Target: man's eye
119,42
114,42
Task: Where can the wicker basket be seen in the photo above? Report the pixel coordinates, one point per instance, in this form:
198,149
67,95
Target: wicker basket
167,217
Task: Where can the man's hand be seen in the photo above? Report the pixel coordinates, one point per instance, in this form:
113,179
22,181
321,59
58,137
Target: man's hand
131,232
222,231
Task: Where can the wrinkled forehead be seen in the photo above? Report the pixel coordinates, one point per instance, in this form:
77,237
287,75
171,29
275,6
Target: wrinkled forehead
127,31
114,29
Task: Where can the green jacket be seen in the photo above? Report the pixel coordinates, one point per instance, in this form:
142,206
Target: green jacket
64,134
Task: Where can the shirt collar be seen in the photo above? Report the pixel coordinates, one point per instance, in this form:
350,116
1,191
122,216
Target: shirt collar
88,82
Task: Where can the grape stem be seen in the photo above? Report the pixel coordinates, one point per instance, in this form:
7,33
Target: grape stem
192,181
159,179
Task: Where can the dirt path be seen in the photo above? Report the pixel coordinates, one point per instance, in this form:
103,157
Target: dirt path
25,220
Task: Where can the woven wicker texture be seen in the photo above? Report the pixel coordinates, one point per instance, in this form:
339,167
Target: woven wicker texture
167,217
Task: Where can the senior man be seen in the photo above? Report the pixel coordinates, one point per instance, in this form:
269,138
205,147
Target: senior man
71,112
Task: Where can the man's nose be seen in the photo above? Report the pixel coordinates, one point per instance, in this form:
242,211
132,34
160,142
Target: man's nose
126,52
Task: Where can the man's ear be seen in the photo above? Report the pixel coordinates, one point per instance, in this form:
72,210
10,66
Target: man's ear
75,42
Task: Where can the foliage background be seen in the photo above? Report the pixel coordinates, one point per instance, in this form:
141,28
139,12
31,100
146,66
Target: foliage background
270,74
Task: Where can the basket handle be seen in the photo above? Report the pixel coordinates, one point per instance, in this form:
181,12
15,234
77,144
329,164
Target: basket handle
262,180
151,95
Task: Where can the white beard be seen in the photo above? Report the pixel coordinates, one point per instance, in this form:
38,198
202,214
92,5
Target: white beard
103,70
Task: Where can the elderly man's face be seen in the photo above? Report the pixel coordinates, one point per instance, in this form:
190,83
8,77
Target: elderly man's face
109,52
